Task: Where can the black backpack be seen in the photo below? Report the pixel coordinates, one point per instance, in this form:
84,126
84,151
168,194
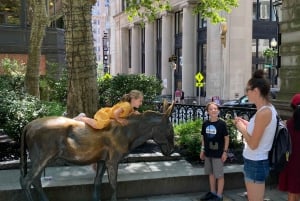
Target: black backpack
281,148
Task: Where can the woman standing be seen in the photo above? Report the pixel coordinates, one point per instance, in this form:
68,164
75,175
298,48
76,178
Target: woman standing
289,178
258,136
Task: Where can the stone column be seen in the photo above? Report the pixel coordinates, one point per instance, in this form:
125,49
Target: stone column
229,66
135,49
149,49
289,72
166,47
290,50
189,50
124,53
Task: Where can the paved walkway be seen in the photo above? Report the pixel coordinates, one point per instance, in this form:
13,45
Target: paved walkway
62,176
232,195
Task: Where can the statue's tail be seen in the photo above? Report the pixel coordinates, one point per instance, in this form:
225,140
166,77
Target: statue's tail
23,158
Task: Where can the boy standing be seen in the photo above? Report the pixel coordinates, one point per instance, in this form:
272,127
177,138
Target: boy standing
215,141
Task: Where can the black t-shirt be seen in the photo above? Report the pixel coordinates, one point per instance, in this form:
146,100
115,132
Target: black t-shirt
213,134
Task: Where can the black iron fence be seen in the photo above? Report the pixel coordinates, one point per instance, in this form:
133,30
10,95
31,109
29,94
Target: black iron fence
184,112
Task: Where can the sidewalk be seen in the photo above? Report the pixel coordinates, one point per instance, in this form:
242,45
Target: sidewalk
231,195
141,181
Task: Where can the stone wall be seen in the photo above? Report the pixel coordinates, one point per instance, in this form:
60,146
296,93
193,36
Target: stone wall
290,50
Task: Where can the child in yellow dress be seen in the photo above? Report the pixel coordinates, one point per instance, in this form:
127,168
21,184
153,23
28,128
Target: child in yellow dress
118,112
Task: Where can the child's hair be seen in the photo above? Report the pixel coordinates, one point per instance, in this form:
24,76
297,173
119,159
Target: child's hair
132,94
211,103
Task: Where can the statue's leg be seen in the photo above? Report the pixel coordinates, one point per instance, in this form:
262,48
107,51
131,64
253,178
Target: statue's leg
38,187
33,178
112,171
98,180
25,184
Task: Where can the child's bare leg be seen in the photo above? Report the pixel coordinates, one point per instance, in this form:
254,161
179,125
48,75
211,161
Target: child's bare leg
220,183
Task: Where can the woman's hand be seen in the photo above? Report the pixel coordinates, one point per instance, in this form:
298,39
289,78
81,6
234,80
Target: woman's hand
240,123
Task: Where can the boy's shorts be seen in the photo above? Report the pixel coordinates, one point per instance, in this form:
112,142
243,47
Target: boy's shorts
214,166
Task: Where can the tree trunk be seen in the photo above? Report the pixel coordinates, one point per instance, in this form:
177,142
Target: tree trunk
81,58
38,28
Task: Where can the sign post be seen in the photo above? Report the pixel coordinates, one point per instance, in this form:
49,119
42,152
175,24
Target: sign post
199,82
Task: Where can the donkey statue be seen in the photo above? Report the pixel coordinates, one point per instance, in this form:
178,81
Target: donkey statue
48,139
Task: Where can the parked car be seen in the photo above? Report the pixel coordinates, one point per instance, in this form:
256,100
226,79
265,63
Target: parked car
273,92
161,98
241,102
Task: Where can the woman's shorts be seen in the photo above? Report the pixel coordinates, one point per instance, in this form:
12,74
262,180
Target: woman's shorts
256,171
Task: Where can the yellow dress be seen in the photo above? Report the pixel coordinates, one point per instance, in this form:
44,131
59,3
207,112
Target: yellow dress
104,115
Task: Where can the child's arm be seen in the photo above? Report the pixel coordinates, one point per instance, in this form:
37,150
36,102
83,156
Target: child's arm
226,145
117,117
202,153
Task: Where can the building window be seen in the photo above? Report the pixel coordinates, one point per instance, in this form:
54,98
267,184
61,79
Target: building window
258,46
202,23
178,22
262,10
143,50
201,65
158,47
124,5
10,12
201,52
129,48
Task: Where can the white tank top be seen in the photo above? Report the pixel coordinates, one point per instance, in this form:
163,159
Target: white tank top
265,144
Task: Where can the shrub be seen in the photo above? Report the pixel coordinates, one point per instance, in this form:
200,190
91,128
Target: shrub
187,137
111,89
53,85
16,110
234,141
54,108
12,67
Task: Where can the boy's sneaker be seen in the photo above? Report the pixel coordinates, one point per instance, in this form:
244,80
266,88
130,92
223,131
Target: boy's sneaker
216,198
208,196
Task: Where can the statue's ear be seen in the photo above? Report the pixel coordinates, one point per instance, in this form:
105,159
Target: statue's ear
165,105
168,109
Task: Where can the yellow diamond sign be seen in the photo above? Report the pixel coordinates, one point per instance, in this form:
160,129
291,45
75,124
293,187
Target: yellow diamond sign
199,80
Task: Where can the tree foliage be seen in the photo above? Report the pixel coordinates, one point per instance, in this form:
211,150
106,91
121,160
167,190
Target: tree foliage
149,9
211,9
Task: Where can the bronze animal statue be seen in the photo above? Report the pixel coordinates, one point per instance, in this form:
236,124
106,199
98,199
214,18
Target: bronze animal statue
51,138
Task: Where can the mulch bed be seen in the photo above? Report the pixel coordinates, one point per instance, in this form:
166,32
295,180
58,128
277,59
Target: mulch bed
9,149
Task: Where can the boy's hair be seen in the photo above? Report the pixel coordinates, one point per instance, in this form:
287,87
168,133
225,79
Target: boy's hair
211,103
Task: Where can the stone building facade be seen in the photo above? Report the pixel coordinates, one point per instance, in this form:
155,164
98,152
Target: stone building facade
225,54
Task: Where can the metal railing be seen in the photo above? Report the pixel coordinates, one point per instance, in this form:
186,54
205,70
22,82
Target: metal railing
185,112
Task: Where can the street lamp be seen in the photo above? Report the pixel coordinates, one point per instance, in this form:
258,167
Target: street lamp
172,61
273,45
276,44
